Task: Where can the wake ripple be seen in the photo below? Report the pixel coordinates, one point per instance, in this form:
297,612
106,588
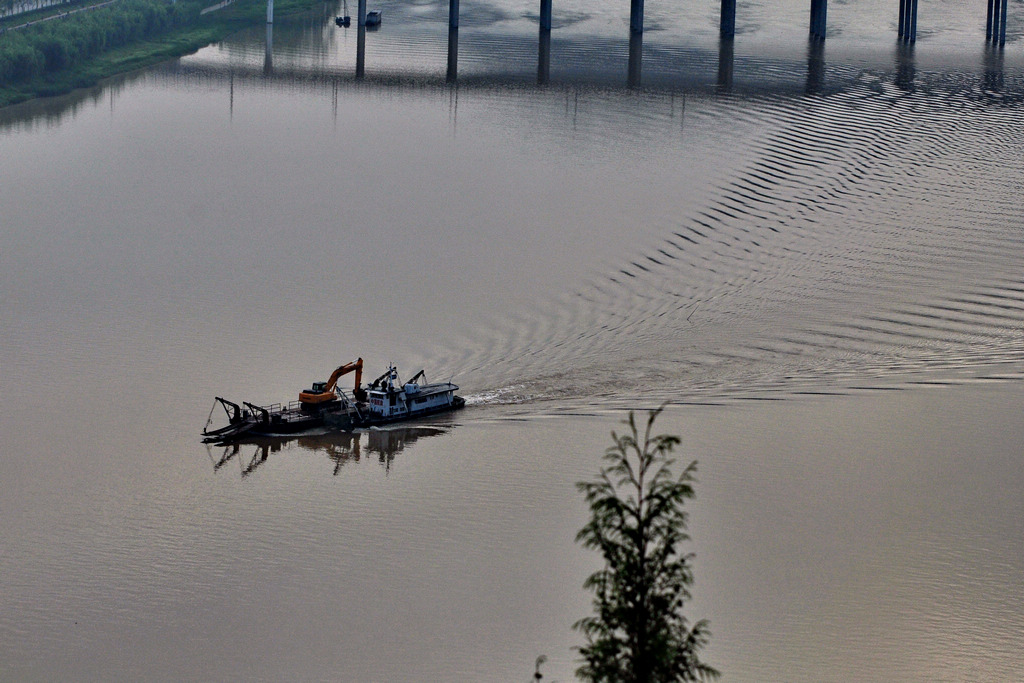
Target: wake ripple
875,241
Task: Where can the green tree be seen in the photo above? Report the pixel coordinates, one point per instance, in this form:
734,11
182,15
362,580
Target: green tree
638,633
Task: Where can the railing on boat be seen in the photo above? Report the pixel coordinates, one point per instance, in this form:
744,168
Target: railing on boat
294,406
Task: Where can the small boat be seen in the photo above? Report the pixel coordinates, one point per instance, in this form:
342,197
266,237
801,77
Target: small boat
383,401
373,19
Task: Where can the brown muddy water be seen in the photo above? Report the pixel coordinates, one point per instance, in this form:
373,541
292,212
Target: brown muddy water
813,256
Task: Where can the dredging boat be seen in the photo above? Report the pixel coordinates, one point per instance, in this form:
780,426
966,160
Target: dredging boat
385,400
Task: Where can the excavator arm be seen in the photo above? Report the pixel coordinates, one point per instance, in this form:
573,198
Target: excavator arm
356,367
323,392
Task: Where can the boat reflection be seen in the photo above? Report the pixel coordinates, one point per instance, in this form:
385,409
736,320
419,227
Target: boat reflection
341,448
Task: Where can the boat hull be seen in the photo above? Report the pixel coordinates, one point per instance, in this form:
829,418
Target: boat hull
283,423
294,422
354,421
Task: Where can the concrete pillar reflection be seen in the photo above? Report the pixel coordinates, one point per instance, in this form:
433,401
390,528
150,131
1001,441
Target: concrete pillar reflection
270,11
636,48
453,54
725,61
543,56
453,13
906,71
360,50
815,66
993,80
268,52
361,14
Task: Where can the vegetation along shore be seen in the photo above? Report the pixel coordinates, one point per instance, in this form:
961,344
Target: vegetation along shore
57,48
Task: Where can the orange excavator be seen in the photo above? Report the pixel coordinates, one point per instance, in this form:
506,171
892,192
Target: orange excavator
323,392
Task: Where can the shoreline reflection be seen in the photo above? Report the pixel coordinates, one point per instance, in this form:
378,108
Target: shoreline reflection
275,67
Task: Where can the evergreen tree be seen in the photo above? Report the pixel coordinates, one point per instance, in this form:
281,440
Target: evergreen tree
638,633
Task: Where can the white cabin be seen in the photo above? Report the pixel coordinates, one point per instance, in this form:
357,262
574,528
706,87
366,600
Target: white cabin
389,399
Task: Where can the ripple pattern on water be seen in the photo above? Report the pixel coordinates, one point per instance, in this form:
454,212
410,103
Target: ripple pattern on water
868,244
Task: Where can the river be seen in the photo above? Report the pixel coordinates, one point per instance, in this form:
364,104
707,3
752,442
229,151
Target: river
813,255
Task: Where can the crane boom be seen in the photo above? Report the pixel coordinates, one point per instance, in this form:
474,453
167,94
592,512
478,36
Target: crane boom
321,392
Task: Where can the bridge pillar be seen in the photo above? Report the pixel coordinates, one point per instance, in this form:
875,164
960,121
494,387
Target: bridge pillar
361,14
995,25
453,13
636,16
727,25
545,14
908,21
819,15
906,72
913,21
994,79
1002,29
270,11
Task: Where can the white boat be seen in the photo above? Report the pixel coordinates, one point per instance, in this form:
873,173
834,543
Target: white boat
385,400
390,400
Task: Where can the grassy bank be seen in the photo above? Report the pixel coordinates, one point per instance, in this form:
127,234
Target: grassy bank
199,31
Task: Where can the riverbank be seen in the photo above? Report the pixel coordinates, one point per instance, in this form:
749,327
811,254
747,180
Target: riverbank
209,28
